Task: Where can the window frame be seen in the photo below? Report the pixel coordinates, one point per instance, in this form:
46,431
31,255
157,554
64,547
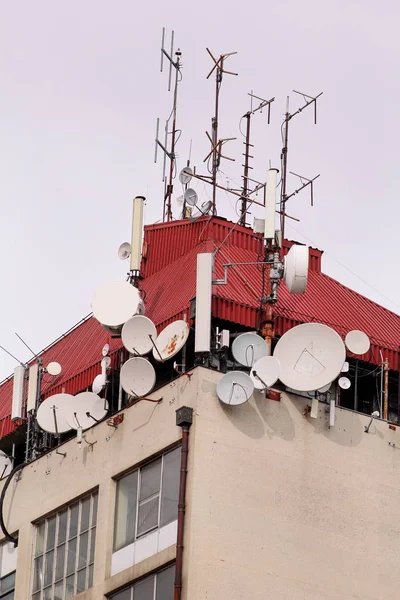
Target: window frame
153,575
5,594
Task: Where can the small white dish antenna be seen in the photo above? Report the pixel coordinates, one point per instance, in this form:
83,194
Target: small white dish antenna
114,303
345,368
185,175
99,383
203,210
52,413
124,251
357,342
54,368
296,269
190,197
5,465
138,377
105,364
265,372
138,335
344,383
171,340
105,349
85,410
325,388
248,348
235,388
311,356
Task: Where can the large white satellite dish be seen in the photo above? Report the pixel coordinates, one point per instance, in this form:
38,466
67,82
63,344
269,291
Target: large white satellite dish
137,335
52,413
124,251
248,348
137,376
311,355
5,464
114,303
357,342
265,372
54,368
185,175
171,340
99,383
190,197
235,388
83,407
296,269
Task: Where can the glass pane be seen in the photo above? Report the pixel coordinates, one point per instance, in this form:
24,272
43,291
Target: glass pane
48,572
62,527
69,586
148,515
124,595
7,583
81,581
48,594
83,550
150,476
170,487
71,554
34,597
59,591
40,538
125,511
51,533
85,513
144,590
165,584
92,544
60,561
90,581
38,573
73,521
95,500
10,596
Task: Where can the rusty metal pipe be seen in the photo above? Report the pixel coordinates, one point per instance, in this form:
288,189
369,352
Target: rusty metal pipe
386,389
181,512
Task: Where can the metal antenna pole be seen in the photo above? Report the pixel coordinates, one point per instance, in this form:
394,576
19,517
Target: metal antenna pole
284,157
167,211
243,208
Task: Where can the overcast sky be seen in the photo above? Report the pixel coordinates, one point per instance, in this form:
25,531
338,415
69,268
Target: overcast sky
79,97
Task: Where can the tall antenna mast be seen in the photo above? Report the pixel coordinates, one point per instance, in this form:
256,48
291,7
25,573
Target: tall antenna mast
177,65
246,154
216,144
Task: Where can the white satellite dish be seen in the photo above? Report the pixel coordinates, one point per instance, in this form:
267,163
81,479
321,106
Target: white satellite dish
52,413
5,465
137,376
81,405
190,197
248,348
185,175
54,368
105,363
203,210
296,269
357,342
137,334
124,251
114,303
99,383
311,356
325,388
235,388
171,340
105,349
265,372
344,383
345,368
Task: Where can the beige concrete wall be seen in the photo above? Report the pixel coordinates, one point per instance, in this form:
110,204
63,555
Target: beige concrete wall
280,506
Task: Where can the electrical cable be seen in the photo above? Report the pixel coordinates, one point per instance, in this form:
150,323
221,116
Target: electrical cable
7,535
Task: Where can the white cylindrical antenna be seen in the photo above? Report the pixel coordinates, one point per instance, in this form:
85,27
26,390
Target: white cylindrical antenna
18,392
32,387
202,339
137,231
270,204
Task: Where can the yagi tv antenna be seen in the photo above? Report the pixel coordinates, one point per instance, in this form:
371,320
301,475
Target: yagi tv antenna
52,413
138,377
265,372
85,410
171,340
124,251
248,348
138,335
311,355
114,303
235,388
357,342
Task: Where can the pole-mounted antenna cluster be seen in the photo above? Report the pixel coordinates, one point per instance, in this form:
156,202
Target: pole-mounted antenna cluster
174,60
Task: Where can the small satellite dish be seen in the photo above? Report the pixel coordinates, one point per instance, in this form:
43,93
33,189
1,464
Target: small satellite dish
190,197
265,372
105,350
52,413
296,269
137,376
204,210
357,342
345,368
235,388
137,334
311,356
105,363
325,388
171,340
99,383
248,348
114,303
81,405
124,251
344,383
185,175
5,465
53,368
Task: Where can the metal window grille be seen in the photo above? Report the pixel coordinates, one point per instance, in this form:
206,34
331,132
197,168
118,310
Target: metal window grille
64,551
159,586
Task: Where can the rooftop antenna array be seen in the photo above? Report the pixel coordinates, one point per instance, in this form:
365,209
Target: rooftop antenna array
170,153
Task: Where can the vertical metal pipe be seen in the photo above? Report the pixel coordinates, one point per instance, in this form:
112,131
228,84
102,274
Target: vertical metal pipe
356,388
181,512
246,172
386,389
284,169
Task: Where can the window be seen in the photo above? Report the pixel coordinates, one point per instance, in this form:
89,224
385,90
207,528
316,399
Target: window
8,564
64,551
156,587
147,499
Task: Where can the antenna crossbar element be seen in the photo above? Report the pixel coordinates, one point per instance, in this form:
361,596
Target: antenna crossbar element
308,182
